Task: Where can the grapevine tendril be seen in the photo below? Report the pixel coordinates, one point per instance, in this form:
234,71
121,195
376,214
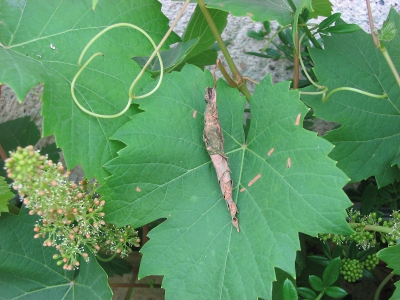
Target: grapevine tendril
130,93
131,96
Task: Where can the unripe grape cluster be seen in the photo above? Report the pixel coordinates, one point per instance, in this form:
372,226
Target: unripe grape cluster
71,216
351,269
371,262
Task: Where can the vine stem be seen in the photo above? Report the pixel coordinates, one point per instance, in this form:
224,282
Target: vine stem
240,82
372,25
381,285
325,89
224,73
320,295
296,56
390,63
273,36
380,45
306,30
137,285
157,49
376,228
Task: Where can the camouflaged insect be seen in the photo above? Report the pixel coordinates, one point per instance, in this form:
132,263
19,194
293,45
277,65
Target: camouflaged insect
214,141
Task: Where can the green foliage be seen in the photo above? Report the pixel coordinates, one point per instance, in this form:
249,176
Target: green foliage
258,10
329,21
196,42
331,273
306,293
367,141
388,32
321,8
22,132
198,28
170,57
391,255
153,165
171,184
43,42
324,285
71,215
289,290
5,195
28,271
19,132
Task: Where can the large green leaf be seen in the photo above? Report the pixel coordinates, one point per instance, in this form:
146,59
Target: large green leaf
196,41
41,42
368,140
258,10
391,256
5,195
28,271
321,8
165,172
170,57
19,132
198,28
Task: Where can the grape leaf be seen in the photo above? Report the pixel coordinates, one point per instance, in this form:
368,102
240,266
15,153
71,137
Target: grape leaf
196,41
165,172
19,132
5,195
391,256
42,41
321,8
205,58
170,57
28,271
258,10
368,140
396,293
198,28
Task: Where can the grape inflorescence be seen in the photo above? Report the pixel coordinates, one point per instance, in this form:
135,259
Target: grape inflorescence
71,215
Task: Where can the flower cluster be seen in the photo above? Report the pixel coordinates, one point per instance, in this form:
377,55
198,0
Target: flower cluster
366,229
71,216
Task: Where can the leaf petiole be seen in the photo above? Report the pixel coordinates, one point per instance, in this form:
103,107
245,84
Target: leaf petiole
320,295
240,83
